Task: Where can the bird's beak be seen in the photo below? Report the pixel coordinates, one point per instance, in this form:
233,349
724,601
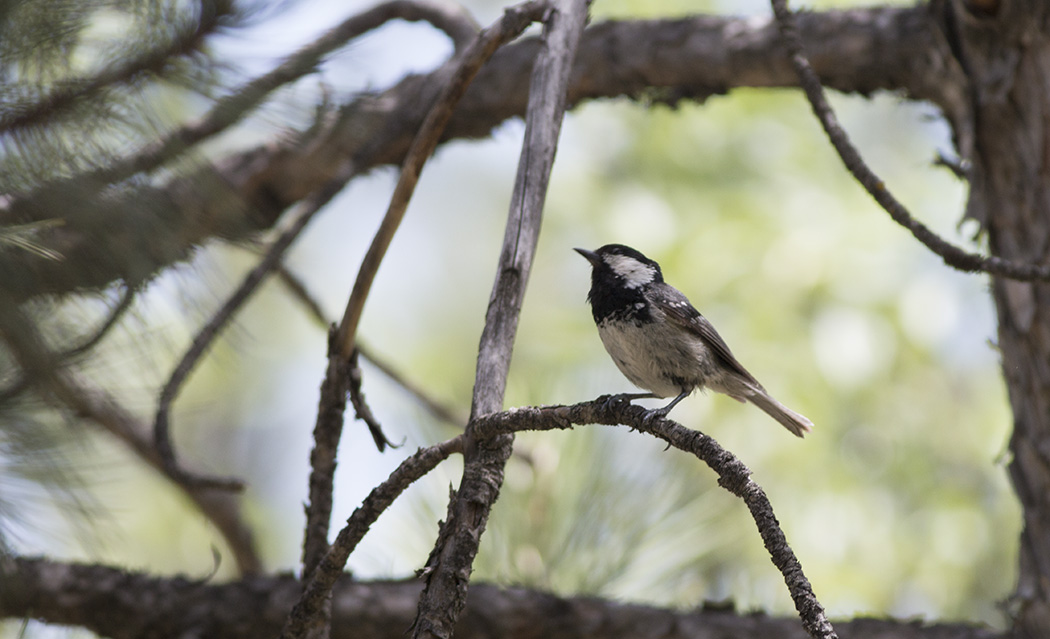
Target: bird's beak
591,256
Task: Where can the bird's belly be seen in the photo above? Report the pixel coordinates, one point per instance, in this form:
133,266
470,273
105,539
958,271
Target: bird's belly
660,358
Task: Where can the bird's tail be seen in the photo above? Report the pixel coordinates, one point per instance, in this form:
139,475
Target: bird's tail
795,422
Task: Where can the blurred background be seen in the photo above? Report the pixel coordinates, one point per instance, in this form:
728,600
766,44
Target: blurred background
897,504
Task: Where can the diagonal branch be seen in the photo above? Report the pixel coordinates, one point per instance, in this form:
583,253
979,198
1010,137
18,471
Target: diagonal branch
449,567
952,255
436,408
332,404
316,592
210,331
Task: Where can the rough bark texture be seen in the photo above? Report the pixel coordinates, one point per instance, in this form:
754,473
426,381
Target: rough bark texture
1006,55
451,562
123,605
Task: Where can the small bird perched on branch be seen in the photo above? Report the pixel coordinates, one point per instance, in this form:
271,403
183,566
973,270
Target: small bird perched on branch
661,343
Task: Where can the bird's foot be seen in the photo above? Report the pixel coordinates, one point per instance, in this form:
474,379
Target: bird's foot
610,401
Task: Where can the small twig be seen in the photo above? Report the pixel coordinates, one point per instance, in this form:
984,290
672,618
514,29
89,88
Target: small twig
331,566
448,570
440,411
448,17
361,408
305,212
958,168
952,255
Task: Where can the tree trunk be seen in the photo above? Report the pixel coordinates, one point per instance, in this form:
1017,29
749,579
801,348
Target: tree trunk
1005,51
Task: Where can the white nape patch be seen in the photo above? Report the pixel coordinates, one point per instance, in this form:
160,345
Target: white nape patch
633,272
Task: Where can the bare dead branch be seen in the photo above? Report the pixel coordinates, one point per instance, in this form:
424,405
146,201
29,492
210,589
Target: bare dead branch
436,408
161,423
305,613
98,407
447,16
733,475
449,567
423,145
952,255
332,404
119,603
361,407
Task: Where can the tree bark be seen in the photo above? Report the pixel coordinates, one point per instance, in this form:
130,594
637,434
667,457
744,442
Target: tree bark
125,605
860,51
1005,50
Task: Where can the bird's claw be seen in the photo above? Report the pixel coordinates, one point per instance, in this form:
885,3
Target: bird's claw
610,401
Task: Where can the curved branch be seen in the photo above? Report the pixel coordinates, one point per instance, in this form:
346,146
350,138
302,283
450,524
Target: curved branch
210,331
98,407
305,612
952,255
733,475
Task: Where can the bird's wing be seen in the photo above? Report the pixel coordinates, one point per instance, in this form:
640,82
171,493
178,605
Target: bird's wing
679,311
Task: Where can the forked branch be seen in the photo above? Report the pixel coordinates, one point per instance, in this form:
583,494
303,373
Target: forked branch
952,255
337,383
733,475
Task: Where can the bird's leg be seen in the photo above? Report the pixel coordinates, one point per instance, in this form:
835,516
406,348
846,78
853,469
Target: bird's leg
662,412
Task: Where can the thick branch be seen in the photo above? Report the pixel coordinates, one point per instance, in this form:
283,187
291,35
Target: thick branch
128,605
897,49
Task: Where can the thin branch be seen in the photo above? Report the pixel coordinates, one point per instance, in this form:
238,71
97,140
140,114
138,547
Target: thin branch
332,404
305,613
437,409
952,255
423,145
733,475
361,407
161,424
447,16
449,567
221,508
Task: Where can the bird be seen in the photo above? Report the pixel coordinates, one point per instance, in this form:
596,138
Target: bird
661,343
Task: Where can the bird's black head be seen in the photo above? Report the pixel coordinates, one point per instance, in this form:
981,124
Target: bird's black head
618,275
620,266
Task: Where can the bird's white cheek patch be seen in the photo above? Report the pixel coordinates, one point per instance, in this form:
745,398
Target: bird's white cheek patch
633,272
